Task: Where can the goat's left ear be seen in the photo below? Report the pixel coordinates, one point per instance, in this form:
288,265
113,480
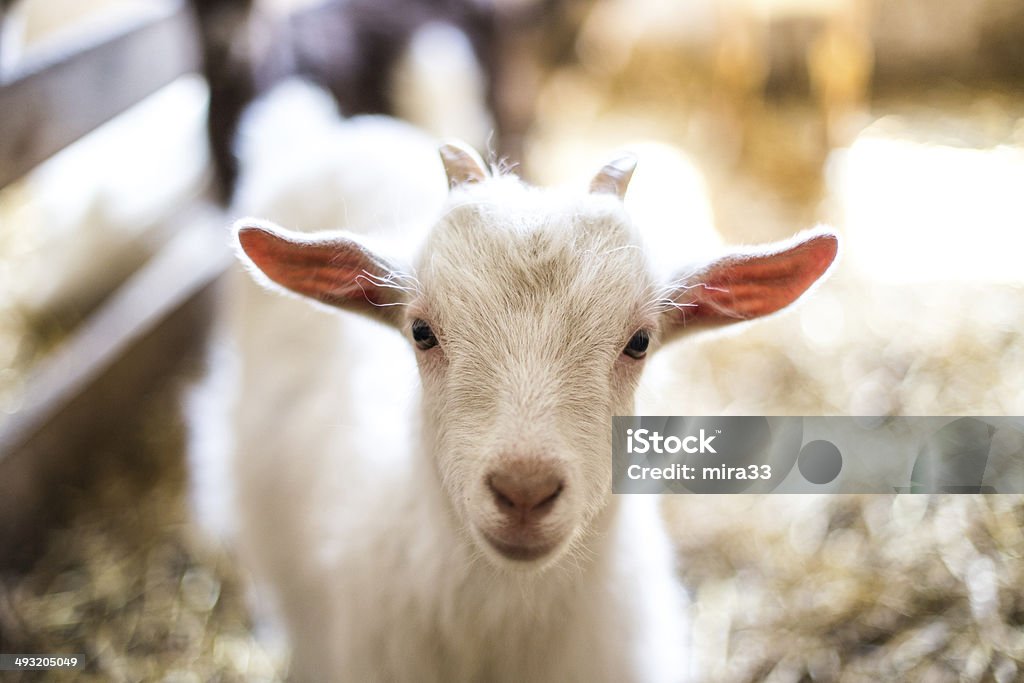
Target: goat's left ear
333,269
750,284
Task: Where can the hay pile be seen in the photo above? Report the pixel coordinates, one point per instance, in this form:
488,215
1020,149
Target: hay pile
127,582
855,588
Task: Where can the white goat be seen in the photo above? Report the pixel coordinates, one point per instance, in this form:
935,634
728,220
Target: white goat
464,529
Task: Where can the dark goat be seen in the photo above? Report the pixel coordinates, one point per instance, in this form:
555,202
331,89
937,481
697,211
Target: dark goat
348,47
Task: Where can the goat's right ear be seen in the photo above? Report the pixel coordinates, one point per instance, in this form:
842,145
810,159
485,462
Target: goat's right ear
331,268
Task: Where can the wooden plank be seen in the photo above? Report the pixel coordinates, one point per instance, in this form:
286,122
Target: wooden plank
89,388
193,258
100,428
56,100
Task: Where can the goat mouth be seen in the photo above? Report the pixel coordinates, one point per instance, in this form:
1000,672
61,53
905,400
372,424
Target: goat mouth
519,552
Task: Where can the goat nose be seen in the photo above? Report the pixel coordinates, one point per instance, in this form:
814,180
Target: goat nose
525,490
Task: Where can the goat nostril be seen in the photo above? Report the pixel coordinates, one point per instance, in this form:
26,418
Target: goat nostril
550,500
500,497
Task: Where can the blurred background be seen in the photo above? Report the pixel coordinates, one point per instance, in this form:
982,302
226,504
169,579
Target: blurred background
900,122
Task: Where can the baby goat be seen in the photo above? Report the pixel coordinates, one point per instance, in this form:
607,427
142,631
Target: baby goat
477,538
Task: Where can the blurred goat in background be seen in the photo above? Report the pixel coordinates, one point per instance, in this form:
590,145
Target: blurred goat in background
376,57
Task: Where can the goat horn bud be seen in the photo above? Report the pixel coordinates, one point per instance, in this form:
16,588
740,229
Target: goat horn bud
614,177
462,164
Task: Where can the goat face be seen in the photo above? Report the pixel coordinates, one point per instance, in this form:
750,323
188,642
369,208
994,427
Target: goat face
525,307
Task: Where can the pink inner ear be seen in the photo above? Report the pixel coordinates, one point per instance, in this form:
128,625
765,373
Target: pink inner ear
334,271
749,286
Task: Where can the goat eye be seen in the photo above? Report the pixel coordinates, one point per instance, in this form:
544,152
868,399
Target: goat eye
637,346
423,335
